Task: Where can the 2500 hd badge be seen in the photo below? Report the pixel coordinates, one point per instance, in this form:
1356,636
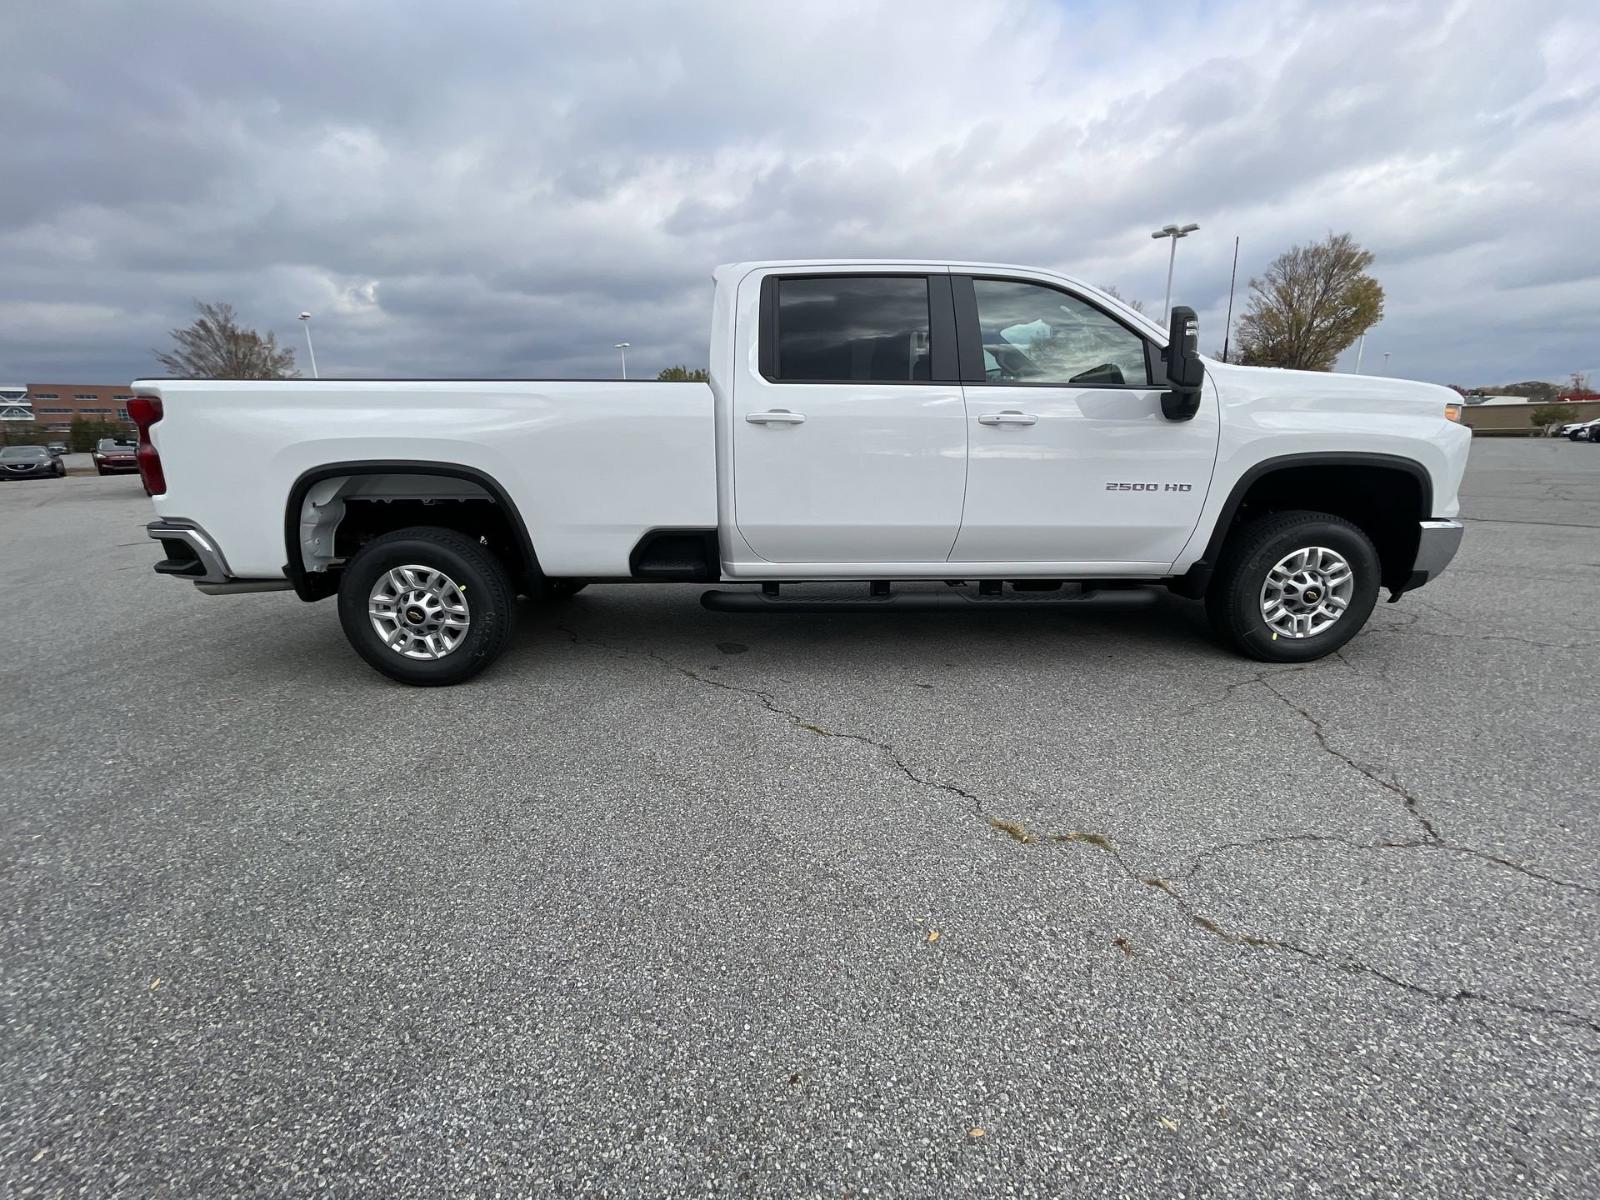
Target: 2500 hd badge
1149,487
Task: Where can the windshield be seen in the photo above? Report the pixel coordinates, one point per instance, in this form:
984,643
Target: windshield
15,453
107,445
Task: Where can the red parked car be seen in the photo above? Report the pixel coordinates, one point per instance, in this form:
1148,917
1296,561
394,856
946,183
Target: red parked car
112,457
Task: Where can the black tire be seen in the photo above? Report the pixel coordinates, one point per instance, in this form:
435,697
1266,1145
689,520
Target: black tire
1233,601
557,590
485,587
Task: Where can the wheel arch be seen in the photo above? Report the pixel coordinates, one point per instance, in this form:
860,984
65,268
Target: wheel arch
315,585
1407,483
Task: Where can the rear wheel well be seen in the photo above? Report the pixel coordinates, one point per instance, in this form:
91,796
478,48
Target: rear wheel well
331,515
1385,502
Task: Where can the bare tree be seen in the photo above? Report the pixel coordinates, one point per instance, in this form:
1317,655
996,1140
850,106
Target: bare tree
1312,303
216,346
1136,305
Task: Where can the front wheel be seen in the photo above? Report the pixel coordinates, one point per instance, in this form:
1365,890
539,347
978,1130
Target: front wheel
1293,586
426,606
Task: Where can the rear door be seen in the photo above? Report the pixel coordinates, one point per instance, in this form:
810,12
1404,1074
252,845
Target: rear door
1070,459
849,428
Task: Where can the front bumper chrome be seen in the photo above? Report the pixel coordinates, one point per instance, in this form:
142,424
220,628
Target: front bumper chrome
1437,543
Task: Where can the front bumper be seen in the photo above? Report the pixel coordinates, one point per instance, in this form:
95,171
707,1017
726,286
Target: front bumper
1437,543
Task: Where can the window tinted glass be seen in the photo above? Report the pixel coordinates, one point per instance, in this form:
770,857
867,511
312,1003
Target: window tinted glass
853,328
1034,334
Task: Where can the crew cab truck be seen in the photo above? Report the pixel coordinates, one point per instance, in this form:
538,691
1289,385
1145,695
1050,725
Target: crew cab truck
1011,432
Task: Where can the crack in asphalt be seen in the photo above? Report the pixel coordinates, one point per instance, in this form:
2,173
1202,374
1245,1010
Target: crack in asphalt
1262,843
799,722
1023,836
1413,805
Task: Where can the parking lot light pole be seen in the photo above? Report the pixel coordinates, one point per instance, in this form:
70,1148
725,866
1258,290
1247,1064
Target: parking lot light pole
1174,232
623,348
310,349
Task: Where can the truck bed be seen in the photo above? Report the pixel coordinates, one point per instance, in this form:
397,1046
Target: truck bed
591,465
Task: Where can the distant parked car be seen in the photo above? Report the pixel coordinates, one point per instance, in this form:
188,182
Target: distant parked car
57,448
113,457
1583,431
30,462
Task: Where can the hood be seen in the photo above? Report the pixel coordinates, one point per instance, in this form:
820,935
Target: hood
1328,389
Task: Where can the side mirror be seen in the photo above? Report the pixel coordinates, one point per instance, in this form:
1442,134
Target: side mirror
1185,371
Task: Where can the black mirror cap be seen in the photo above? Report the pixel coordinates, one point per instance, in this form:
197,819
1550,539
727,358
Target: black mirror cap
1185,371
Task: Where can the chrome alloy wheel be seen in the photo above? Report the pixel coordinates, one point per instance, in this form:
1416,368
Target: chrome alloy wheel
419,612
1307,592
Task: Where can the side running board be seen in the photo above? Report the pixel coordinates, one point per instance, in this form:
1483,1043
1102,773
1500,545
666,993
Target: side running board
881,598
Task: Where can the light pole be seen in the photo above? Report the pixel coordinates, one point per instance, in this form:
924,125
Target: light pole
623,348
1386,354
1174,232
310,349
1361,347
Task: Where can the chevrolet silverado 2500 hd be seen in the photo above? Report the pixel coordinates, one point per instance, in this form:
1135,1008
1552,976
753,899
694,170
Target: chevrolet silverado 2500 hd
879,422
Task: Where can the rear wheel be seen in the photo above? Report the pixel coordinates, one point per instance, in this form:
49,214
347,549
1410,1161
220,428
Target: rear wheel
1293,586
426,606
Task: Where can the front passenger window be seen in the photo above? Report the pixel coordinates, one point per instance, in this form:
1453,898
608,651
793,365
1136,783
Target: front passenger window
1036,334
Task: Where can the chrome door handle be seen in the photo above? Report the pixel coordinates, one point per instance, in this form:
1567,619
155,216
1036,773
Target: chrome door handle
1010,417
776,416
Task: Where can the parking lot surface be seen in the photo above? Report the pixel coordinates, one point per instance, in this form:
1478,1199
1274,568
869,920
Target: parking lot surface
672,901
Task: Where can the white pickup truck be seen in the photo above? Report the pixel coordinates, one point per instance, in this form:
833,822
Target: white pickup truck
966,426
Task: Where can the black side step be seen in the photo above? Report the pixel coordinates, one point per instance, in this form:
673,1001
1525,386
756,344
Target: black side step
765,601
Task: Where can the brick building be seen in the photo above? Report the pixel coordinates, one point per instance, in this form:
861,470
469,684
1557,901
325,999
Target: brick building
50,407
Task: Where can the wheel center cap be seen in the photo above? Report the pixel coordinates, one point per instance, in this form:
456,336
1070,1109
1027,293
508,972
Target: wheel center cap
415,615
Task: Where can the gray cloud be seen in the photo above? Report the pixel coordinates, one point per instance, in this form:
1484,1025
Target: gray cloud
488,191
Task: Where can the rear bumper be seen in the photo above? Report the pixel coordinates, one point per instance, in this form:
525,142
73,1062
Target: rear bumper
1437,543
193,554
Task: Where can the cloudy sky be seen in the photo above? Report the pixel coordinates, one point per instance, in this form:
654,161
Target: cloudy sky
497,189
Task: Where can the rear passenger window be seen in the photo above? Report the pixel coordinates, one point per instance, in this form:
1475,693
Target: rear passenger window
853,329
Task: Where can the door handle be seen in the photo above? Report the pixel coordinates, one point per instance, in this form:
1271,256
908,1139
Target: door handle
1010,417
776,416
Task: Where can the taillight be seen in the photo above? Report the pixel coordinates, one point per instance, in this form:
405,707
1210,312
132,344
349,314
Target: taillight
145,411
1452,412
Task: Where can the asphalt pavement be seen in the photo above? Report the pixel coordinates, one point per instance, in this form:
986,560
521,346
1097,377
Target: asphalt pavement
679,902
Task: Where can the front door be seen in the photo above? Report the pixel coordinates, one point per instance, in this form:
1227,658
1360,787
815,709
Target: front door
1070,459
849,431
